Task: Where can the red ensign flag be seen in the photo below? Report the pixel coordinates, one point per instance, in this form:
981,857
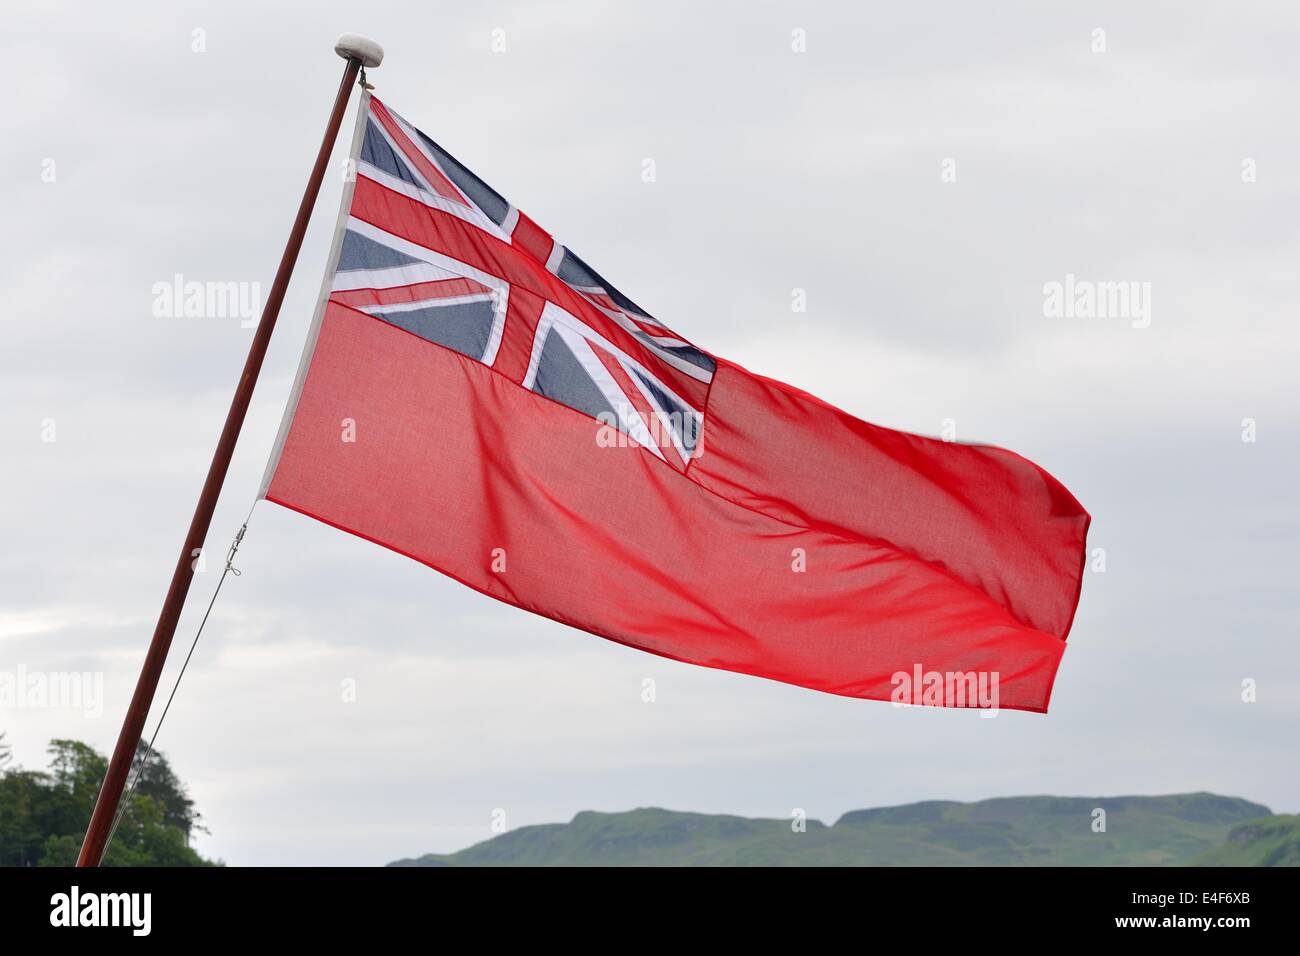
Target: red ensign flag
475,396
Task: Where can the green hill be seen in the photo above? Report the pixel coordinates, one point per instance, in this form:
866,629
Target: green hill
1274,841
1013,831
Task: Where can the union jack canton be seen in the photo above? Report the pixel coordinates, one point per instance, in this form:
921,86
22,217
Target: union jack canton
432,249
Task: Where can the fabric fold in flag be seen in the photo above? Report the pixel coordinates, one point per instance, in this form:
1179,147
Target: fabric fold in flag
525,428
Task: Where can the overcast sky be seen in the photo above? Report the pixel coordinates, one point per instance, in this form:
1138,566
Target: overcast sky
129,157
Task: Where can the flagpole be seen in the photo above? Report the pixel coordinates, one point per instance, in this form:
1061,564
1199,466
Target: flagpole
359,52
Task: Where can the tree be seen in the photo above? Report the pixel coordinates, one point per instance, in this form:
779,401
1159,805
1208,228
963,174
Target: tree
43,815
160,783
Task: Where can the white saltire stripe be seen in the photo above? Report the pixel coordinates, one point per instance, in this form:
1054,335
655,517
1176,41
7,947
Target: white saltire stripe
391,277
553,313
469,214
386,307
399,153
621,318
665,422
629,418
414,136
664,340
500,287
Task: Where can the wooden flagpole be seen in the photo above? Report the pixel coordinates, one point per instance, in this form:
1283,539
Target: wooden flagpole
359,52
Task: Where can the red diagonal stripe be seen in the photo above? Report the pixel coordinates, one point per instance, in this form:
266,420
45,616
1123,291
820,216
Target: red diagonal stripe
433,175
652,421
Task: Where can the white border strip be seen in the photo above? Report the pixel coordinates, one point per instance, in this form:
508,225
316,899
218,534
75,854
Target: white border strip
331,263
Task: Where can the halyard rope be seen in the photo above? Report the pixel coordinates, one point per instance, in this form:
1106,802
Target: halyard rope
229,569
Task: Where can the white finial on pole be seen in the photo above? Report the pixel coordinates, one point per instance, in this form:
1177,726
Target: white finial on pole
353,46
